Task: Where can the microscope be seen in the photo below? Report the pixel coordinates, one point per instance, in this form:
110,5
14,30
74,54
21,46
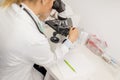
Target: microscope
62,24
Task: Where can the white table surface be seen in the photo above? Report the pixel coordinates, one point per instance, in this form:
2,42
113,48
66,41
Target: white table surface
88,66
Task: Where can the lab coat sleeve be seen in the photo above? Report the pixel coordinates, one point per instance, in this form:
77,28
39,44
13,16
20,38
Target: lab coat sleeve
40,52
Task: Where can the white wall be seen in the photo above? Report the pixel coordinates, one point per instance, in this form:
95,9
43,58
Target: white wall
101,17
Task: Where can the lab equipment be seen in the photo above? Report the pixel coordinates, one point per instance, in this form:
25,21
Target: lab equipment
59,6
69,65
98,47
61,27
62,24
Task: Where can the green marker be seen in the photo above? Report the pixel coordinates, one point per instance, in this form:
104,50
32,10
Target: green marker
69,65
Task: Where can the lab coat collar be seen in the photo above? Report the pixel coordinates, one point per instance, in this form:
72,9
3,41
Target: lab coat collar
19,10
40,23
31,12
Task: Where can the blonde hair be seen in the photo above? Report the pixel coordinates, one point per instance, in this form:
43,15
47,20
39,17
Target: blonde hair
7,3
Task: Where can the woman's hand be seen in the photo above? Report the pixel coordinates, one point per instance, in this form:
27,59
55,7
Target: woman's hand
73,34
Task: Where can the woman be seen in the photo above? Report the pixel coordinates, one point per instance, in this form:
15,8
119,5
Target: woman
22,40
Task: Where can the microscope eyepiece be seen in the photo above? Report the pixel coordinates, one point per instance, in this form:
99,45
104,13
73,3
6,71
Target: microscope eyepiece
59,6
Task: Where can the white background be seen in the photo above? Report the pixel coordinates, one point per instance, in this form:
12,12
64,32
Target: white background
101,17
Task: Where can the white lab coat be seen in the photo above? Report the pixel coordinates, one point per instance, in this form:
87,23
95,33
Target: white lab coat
22,45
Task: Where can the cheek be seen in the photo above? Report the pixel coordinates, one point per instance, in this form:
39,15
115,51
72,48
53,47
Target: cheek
50,4
47,11
48,7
